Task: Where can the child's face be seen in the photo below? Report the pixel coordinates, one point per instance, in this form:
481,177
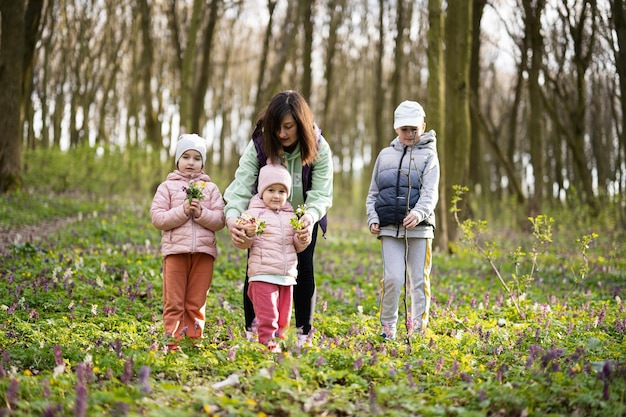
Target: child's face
409,135
275,196
190,162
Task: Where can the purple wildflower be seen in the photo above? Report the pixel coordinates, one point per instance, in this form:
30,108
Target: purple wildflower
12,393
144,379
127,376
80,406
465,377
502,369
58,355
319,361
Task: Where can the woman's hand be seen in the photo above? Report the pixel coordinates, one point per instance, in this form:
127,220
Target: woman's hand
306,233
237,232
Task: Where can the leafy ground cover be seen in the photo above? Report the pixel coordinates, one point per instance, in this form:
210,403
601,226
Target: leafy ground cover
81,331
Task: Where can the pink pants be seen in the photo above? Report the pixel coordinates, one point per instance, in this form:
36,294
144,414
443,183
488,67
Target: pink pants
272,307
186,281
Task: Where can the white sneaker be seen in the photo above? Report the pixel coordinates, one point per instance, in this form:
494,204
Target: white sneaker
250,336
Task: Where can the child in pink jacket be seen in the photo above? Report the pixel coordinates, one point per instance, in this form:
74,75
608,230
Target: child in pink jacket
273,261
188,209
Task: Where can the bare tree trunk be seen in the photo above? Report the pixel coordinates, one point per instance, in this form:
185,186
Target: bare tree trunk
458,124
533,10
336,11
436,111
478,176
204,68
260,92
380,124
618,9
153,128
11,81
308,7
186,59
403,21
284,50
31,35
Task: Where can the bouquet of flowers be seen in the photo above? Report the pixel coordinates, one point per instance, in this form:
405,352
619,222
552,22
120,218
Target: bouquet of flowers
296,222
253,225
195,190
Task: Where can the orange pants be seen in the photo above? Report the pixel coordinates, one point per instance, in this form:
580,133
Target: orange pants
186,281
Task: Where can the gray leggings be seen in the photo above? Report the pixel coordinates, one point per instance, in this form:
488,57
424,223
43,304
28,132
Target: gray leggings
419,262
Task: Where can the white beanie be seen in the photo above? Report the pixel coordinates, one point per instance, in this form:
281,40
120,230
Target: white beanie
408,113
190,141
274,174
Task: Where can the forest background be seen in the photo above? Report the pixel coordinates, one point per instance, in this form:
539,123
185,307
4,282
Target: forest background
526,96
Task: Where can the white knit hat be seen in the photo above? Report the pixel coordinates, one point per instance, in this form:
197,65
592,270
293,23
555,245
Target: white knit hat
408,113
274,174
190,141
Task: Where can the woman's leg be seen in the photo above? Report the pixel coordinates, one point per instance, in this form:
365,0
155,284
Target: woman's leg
304,292
248,308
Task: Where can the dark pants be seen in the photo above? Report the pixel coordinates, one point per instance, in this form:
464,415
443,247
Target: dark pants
304,292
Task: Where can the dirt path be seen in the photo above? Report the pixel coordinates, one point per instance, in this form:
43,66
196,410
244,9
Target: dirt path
31,233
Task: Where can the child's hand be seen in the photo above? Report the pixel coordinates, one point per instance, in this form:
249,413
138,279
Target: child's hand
250,229
195,208
187,207
411,220
374,228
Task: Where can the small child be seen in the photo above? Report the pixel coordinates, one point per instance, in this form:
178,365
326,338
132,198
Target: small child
273,261
400,207
188,208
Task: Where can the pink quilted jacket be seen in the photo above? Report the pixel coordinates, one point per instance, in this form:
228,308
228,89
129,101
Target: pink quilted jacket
182,234
274,252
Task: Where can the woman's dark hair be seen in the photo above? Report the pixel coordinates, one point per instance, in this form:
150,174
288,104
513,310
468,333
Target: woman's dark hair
282,104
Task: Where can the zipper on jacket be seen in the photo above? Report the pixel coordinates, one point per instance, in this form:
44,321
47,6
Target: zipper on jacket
193,234
398,190
282,239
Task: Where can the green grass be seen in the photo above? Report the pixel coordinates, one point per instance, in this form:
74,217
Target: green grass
81,330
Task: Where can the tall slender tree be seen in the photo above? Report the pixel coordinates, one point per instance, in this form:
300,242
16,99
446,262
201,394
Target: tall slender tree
18,36
458,29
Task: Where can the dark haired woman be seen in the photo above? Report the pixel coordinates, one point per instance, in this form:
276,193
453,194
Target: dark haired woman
286,133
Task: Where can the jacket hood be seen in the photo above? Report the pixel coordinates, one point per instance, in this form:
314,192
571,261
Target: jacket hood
428,140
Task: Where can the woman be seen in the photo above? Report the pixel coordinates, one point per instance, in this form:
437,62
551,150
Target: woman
286,133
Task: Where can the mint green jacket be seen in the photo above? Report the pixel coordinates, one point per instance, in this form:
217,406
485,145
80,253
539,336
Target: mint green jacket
319,198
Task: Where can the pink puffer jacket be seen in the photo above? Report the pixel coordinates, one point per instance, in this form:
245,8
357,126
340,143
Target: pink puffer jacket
274,252
182,234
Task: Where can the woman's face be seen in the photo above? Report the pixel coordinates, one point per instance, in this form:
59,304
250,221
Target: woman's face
288,131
